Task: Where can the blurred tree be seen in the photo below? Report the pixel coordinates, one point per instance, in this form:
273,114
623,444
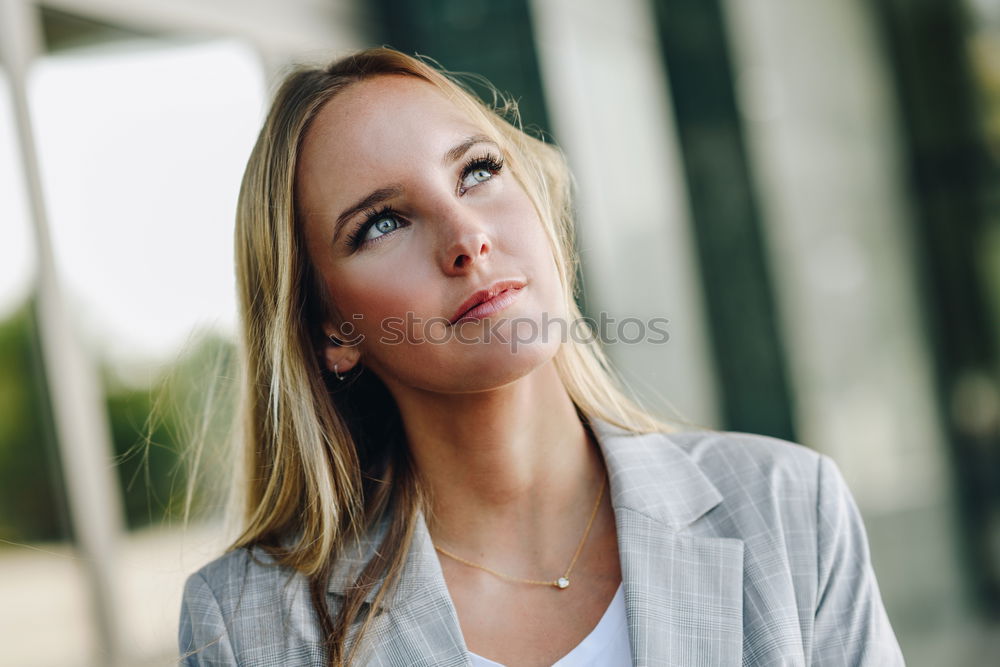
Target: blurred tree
32,506
155,429
150,428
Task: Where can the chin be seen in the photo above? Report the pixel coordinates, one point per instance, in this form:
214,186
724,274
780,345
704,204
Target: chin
491,375
485,369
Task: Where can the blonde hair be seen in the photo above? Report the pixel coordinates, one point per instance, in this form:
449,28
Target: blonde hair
323,461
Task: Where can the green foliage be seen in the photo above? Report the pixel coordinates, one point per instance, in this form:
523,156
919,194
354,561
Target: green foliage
152,429
155,429
145,453
31,505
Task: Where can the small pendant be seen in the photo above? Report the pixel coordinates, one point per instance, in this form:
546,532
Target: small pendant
562,582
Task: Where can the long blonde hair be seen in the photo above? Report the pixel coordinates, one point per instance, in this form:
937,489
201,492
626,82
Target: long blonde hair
323,461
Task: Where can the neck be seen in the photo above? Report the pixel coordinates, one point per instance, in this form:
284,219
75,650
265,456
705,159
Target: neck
513,473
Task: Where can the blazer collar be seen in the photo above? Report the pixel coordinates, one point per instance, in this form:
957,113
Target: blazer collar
652,475
648,474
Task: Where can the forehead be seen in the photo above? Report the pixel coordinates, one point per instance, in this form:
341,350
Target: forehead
380,124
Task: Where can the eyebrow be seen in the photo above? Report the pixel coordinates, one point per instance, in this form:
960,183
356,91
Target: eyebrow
376,197
459,150
373,199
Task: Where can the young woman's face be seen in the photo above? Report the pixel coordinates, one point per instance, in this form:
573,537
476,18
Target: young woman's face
409,212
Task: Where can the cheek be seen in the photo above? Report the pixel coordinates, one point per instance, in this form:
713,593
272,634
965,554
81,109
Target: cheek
377,300
530,240
370,297
520,228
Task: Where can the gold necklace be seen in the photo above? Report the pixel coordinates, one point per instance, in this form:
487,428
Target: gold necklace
560,583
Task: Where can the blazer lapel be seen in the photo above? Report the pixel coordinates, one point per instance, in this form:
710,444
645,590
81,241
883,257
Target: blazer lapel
421,627
683,592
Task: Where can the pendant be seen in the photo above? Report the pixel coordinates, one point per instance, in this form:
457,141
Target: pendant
562,582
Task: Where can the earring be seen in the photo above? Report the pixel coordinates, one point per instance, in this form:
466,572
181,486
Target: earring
336,374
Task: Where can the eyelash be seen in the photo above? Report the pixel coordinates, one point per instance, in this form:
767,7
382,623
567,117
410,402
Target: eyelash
487,161
355,239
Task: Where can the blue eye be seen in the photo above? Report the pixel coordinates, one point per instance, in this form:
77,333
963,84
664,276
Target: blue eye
383,225
476,176
377,224
479,170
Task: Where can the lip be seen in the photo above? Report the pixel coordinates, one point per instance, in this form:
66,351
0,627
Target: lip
488,301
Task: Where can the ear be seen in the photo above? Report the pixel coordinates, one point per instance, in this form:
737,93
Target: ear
338,356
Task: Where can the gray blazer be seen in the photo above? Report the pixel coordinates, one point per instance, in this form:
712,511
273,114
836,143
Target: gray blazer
735,549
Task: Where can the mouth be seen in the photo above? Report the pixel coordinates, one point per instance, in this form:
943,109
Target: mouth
488,301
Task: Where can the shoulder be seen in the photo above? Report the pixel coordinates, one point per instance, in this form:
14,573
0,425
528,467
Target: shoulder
809,592
244,602
765,472
725,482
742,448
245,578
747,464
804,540
767,485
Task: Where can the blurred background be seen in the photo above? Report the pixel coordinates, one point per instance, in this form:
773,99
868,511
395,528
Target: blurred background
808,191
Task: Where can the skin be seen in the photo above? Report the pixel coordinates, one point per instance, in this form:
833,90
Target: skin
514,474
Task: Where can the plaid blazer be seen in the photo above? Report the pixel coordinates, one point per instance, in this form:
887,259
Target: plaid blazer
735,549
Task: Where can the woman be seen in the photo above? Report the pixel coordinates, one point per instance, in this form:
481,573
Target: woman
436,473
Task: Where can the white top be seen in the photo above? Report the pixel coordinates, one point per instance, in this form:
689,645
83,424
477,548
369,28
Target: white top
607,645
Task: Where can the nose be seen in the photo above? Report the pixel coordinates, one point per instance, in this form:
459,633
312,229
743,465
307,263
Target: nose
465,242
